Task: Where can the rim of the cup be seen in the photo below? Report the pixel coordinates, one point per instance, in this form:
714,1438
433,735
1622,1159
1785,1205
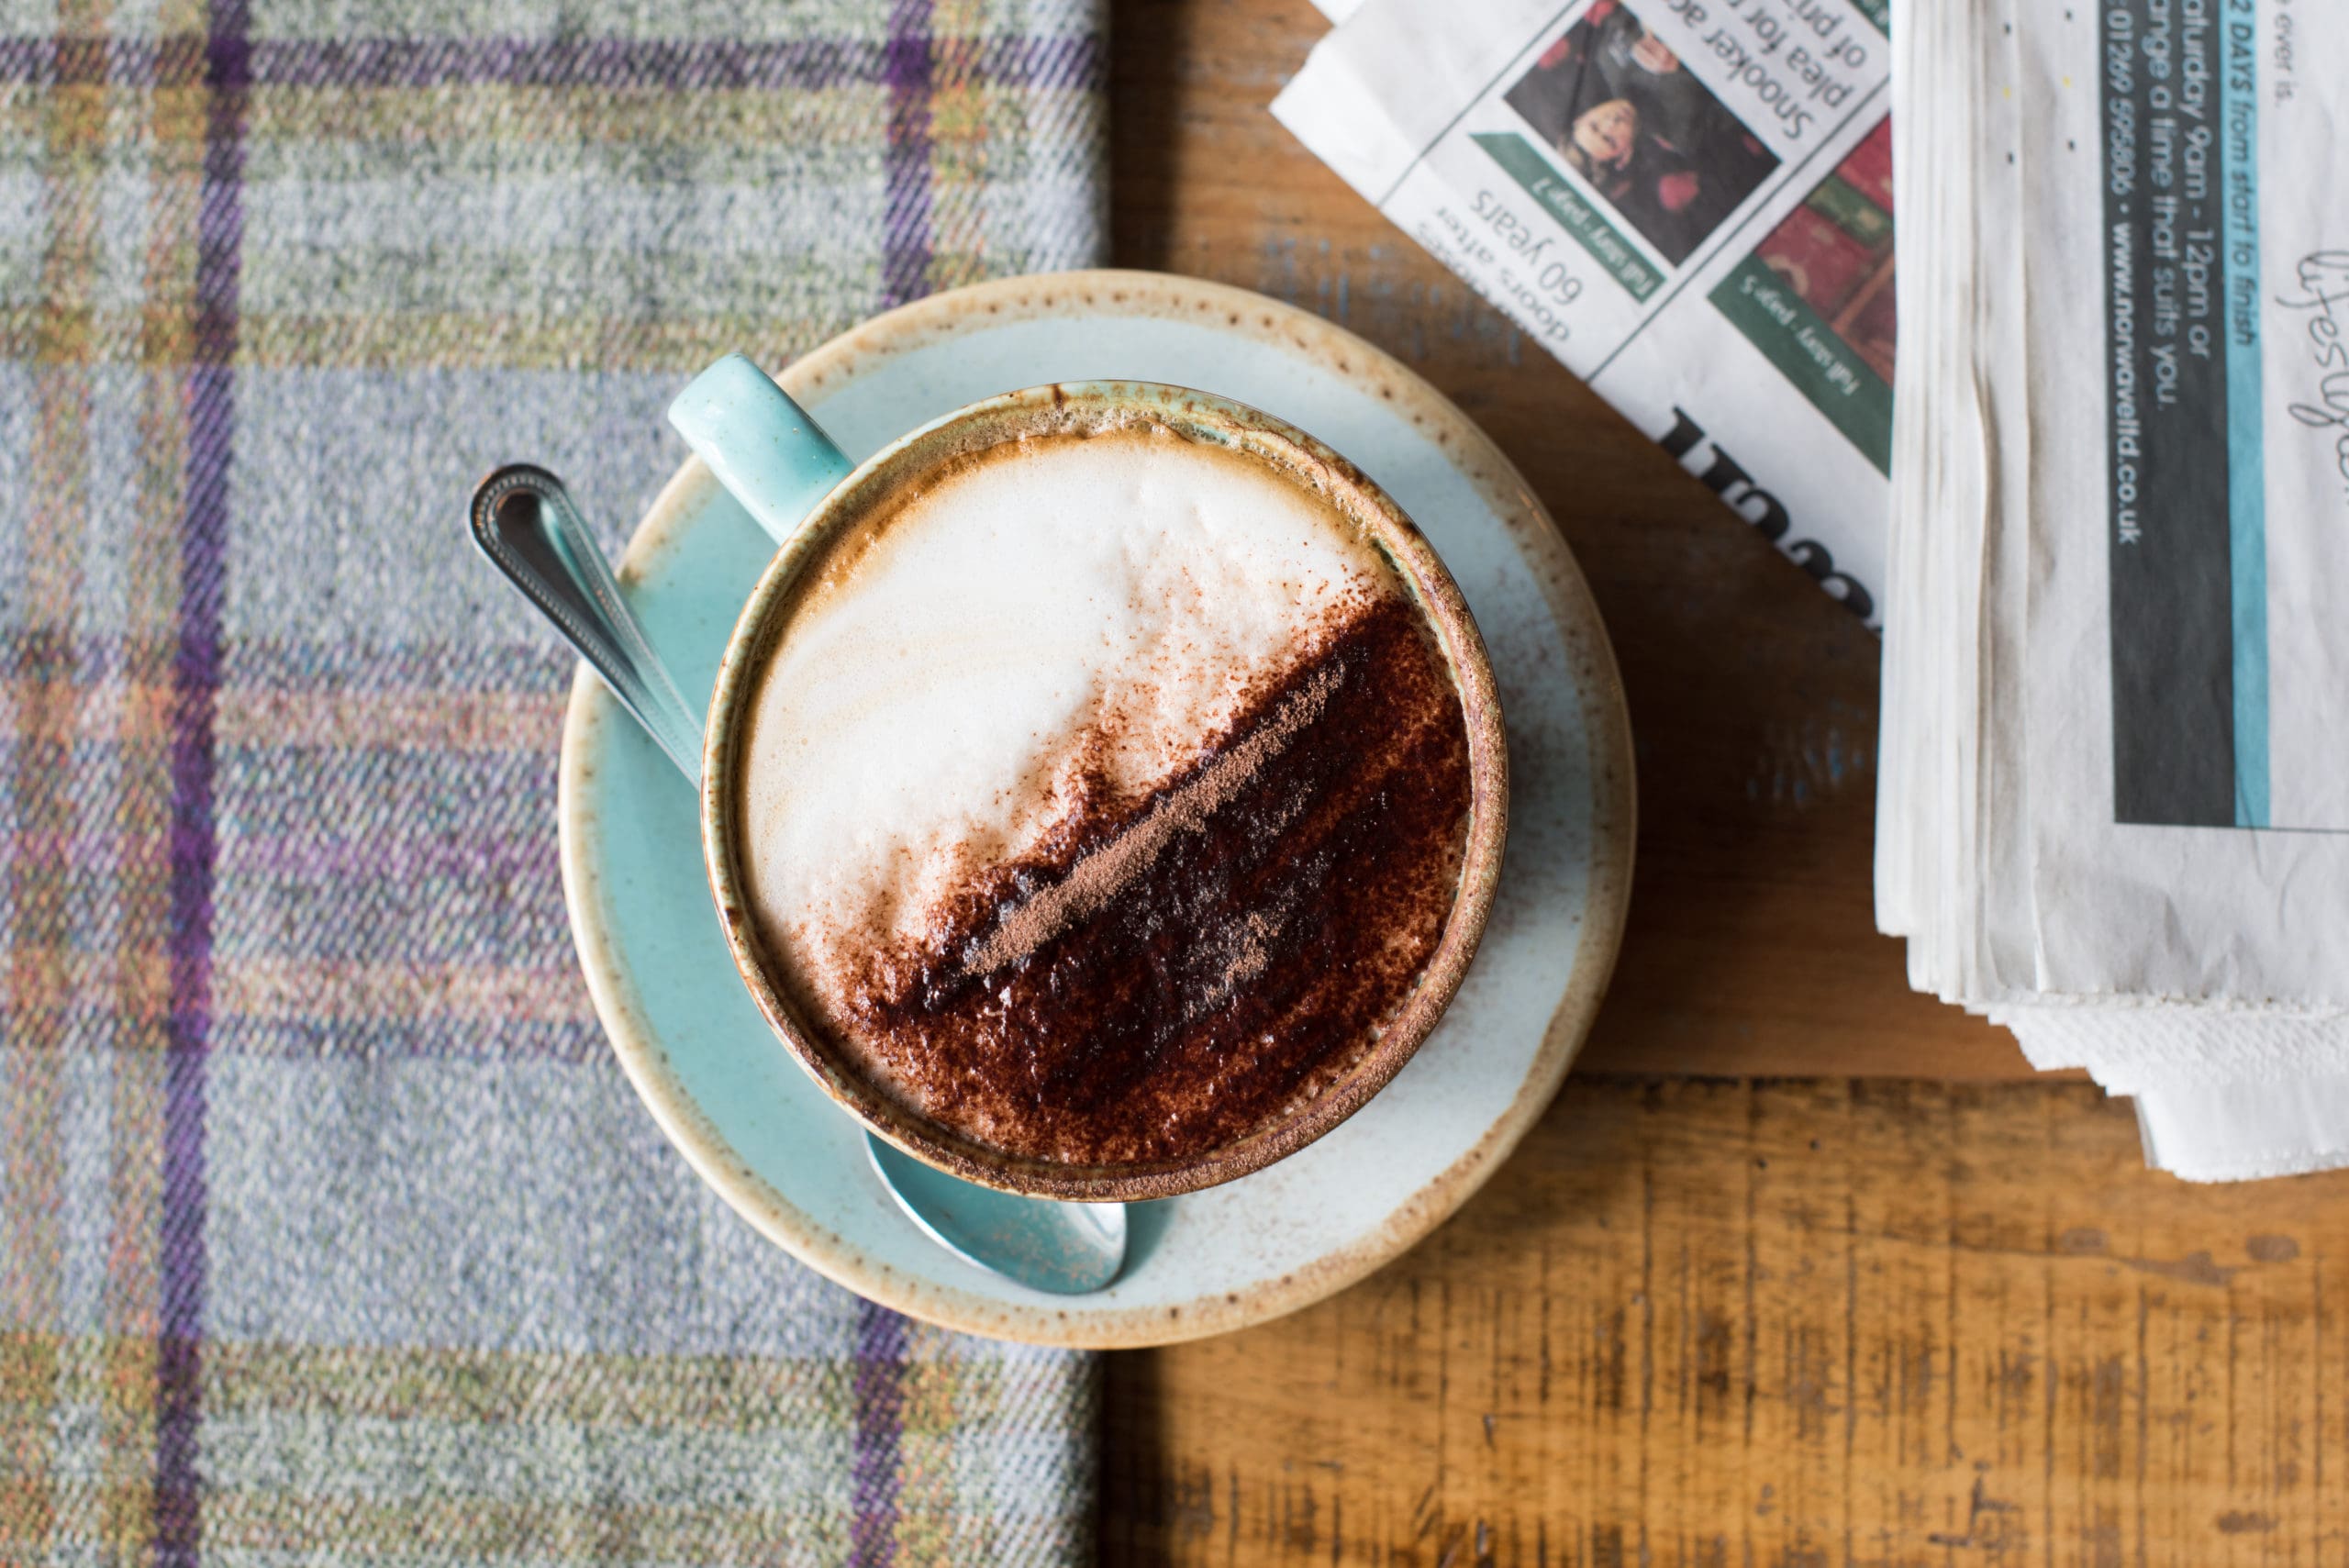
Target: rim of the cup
1093,405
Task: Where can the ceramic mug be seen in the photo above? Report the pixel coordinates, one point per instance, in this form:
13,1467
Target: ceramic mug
787,473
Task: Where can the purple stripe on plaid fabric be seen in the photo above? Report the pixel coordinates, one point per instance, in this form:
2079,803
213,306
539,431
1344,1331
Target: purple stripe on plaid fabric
609,64
496,858
432,1039
211,423
369,855
291,664
514,669
904,236
874,1473
395,1040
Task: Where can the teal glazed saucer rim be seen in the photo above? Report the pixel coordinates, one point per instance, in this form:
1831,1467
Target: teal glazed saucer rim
794,1194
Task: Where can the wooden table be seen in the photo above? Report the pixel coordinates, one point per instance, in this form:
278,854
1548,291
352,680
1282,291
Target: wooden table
1802,1267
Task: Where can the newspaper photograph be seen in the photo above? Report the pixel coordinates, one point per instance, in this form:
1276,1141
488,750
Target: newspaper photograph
1687,201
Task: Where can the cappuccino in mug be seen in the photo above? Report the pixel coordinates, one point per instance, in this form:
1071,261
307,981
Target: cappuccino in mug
1101,795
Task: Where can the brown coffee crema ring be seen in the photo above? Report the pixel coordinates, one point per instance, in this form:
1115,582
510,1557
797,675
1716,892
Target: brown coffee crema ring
1376,746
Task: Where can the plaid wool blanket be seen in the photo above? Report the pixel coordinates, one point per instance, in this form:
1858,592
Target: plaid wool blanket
330,1230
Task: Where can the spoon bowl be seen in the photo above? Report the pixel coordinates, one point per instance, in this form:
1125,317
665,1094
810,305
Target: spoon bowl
1082,1252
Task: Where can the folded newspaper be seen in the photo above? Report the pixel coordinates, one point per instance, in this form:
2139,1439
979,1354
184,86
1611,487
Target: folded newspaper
2113,808
1689,202
2114,789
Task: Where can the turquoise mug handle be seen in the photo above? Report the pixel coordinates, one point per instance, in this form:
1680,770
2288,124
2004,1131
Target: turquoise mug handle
765,449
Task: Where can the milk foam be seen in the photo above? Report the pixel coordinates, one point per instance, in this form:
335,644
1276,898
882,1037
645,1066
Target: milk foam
1066,613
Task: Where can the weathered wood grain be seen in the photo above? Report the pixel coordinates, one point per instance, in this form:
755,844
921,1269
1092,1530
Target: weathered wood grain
1721,1322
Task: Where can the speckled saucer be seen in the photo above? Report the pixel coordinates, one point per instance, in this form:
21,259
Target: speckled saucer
756,1126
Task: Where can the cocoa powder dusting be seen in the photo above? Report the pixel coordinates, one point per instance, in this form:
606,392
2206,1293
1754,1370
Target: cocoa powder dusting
1160,978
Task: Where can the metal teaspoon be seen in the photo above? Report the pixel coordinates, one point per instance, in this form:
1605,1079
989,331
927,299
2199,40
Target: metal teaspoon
524,520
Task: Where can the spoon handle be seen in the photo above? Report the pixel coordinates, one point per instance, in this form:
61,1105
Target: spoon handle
524,521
